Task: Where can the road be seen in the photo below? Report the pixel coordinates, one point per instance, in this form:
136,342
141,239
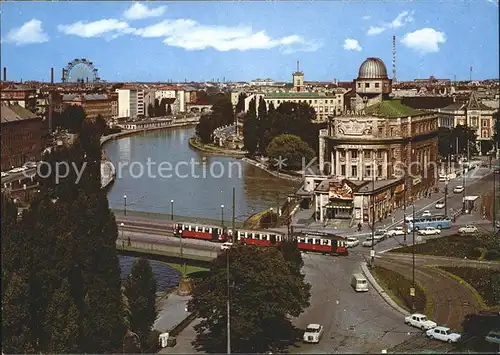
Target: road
18,176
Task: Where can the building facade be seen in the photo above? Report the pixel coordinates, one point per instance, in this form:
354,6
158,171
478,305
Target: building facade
127,103
174,92
19,94
22,136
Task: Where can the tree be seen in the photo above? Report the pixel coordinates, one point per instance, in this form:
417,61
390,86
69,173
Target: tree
151,110
252,109
140,290
496,133
463,135
16,337
157,108
169,110
250,134
72,118
262,111
240,106
445,144
291,150
62,322
101,124
257,326
222,112
162,112
204,129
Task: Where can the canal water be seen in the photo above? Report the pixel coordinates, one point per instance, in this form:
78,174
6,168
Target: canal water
156,167
166,277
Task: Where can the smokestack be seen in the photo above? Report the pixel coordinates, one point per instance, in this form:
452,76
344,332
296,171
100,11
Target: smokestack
52,75
4,74
63,79
394,59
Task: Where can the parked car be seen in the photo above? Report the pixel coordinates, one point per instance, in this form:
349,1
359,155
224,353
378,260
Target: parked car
30,164
4,174
380,234
369,242
426,214
443,178
429,231
226,246
443,334
458,189
420,321
469,229
439,205
396,231
313,333
352,242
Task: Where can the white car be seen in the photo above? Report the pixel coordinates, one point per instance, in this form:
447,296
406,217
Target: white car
396,231
443,178
380,234
458,189
313,333
369,242
226,246
469,229
439,205
30,165
443,334
4,174
420,321
429,231
352,242
426,214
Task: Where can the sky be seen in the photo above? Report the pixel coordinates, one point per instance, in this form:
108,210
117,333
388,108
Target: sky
245,40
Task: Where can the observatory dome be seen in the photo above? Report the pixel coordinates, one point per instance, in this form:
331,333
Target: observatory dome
372,68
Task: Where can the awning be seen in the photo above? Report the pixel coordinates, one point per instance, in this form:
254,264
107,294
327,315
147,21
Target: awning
471,198
341,207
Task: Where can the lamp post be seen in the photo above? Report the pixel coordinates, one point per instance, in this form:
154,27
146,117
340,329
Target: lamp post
446,197
227,304
125,205
413,262
171,210
122,225
222,216
372,250
405,226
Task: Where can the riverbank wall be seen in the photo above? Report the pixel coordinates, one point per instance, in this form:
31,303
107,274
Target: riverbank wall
193,143
272,172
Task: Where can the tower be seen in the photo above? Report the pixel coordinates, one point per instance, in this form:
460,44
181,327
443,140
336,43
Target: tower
4,74
394,80
298,79
52,75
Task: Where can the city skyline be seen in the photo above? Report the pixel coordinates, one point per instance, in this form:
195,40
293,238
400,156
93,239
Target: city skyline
160,41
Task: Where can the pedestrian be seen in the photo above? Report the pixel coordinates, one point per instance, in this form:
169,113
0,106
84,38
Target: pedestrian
393,218
129,243
359,226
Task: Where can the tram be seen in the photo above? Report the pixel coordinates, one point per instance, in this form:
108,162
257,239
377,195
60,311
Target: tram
321,242
200,231
262,238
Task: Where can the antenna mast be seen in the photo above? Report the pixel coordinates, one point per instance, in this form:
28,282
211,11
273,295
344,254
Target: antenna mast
297,66
394,59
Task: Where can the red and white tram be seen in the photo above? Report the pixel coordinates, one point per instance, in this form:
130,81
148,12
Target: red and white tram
200,231
322,243
262,238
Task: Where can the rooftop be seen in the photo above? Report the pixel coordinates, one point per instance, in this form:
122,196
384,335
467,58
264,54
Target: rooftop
13,113
392,109
278,95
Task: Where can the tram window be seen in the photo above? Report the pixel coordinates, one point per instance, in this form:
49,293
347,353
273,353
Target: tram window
209,230
325,242
302,240
264,237
310,241
196,228
257,236
317,241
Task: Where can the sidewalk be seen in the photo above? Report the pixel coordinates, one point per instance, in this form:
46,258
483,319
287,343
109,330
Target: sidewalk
172,311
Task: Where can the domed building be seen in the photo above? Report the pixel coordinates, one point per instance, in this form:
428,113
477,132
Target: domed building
372,84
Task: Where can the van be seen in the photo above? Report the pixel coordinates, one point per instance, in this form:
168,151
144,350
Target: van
359,283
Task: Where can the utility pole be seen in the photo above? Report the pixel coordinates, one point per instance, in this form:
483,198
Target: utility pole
234,216
405,225
446,197
372,251
494,204
228,305
278,209
413,261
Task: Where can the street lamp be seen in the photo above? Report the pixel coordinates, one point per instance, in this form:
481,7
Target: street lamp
171,210
125,205
222,215
413,261
446,197
122,225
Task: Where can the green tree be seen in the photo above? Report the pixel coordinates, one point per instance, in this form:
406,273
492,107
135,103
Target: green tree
72,118
496,132
252,109
162,112
264,295
204,129
222,112
262,111
169,110
240,106
251,134
151,110
62,322
445,144
157,109
16,336
291,150
101,124
140,290
463,135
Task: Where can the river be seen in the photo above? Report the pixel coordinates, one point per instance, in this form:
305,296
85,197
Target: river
198,183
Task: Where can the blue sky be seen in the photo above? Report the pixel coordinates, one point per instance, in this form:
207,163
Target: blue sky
160,41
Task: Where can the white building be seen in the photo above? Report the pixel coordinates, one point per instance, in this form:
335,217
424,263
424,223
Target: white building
127,103
172,92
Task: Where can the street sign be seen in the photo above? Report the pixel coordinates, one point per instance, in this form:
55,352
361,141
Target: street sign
412,291
372,253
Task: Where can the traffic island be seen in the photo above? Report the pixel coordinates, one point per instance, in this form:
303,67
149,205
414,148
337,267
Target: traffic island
395,287
478,247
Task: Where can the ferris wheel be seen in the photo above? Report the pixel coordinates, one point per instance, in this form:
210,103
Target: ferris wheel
80,71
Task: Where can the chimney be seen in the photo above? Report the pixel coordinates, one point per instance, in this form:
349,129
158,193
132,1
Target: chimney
63,77
4,74
52,75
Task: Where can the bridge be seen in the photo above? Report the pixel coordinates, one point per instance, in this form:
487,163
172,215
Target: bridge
198,108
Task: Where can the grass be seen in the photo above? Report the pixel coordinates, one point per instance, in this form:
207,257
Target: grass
393,109
457,246
485,282
398,288
212,148
119,247
189,269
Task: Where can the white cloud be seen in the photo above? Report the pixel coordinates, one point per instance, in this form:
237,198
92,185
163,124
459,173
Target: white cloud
108,27
29,33
366,17
139,11
190,35
402,19
426,40
352,45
